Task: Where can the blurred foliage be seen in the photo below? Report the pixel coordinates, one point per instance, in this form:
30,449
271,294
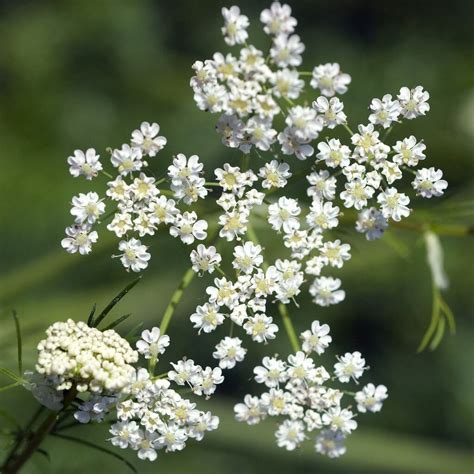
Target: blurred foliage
82,73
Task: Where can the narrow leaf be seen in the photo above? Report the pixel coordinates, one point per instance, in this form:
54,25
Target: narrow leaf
117,322
95,446
90,319
439,334
18,342
12,375
44,453
449,316
435,316
9,386
109,307
133,333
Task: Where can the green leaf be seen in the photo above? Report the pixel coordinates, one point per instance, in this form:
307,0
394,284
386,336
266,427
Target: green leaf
109,307
18,342
117,321
12,375
95,446
439,334
90,319
11,385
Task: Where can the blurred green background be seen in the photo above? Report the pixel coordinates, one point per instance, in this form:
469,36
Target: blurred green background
78,74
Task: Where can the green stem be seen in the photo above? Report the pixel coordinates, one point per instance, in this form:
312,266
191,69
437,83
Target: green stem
32,440
348,129
175,299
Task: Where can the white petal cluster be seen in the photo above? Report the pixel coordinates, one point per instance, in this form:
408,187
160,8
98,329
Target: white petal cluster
84,357
297,389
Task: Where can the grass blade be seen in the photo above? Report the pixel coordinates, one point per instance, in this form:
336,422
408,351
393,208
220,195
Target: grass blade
90,319
95,446
18,342
117,321
109,307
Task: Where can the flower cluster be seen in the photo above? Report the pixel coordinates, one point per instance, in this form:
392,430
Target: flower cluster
86,358
298,392
139,206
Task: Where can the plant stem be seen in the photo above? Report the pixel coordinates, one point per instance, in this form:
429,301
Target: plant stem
175,299
32,440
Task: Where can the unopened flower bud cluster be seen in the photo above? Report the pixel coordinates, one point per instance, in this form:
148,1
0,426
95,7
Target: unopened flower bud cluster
298,391
86,358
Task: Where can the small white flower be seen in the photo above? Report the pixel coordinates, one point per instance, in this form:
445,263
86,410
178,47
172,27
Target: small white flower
292,144
284,214
84,164
277,19
384,111
152,343
330,443
350,366
394,204
205,259
251,411
325,291
260,327
317,339
290,434
135,256
247,257
124,434
357,193
229,351
287,84
79,239
334,153
127,160
147,139
329,79
322,185
414,102
235,26
339,420
274,174
371,398
286,50
188,228
409,152
331,111
205,382
372,223
207,317
428,182
272,372
87,208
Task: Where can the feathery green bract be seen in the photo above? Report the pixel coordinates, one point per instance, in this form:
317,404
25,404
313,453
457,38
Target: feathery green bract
109,307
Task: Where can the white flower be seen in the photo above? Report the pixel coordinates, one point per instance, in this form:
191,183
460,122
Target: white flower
247,257
371,398
127,160
335,253
292,144
409,152
290,434
428,182
230,178
260,133
235,26
350,366
287,84
339,420
301,368
147,445
205,259
172,437
229,351
284,214
414,102
325,291
224,293
152,343
372,223
304,122
187,228
277,19
184,168
124,434
79,239
161,209
286,50
357,193
147,140
329,79
385,111
274,174
87,208
322,215
260,327
86,357
205,382
121,224
231,129
317,339
207,317
234,224
334,153
84,164
330,443
118,190
184,371
365,141
331,110
323,185
251,411
135,256
393,204
272,372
